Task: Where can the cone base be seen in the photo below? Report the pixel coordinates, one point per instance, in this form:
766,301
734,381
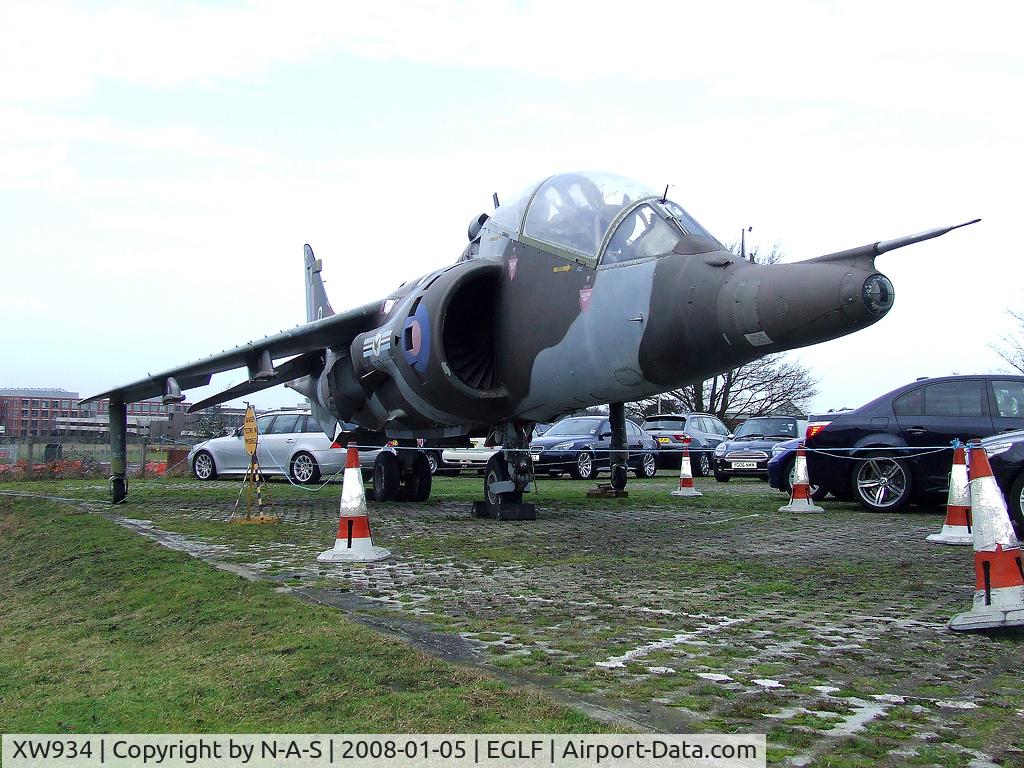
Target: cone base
952,535
361,555
686,492
977,621
805,506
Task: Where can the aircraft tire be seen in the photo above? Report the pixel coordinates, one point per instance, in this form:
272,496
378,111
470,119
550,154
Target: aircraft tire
419,478
387,477
620,474
496,472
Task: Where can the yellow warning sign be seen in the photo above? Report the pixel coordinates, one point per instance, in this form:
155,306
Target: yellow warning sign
250,432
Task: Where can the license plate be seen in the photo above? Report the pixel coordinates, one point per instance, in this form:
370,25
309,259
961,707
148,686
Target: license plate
663,440
744,465
535,456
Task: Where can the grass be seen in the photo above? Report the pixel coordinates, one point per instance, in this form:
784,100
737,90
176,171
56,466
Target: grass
104,631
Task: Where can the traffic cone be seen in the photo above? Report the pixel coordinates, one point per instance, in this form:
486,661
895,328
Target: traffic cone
800,495
999,576
957,528
353,543
686,475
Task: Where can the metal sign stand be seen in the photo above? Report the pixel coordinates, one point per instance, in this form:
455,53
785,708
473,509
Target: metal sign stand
254,480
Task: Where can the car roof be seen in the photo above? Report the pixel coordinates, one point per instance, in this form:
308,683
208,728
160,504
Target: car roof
892,394
654,416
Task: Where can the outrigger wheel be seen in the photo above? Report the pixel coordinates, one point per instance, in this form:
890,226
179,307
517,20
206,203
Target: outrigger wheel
620,474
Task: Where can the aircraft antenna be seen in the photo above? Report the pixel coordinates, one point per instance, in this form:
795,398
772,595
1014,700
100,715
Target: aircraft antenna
664,195
494,197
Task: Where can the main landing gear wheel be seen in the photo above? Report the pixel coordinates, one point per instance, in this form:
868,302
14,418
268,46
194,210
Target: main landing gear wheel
497,472
620,473
387,477
501,504
418,479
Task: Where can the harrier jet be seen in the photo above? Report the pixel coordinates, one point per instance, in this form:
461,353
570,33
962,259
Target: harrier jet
586,289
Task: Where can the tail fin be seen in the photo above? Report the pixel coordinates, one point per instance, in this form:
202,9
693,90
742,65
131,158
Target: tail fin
317,305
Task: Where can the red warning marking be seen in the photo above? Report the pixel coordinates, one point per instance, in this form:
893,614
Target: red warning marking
512,267
1004,569
585,298
360,527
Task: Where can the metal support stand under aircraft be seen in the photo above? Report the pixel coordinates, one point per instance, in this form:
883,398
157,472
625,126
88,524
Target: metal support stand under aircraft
118,450
508,475
618,457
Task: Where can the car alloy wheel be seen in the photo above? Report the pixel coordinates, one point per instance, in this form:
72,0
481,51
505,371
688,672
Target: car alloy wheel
432,462
703,465
202,466
882,483
648,466
584,467
305,469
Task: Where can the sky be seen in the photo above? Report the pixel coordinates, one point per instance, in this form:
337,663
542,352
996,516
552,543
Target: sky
162,163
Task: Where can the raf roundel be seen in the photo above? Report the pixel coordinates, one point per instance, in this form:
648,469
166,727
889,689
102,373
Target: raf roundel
417,339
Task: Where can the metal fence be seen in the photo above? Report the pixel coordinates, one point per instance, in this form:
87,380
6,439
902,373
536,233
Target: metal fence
67,456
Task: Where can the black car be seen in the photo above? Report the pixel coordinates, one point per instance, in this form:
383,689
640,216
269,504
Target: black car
747,453
703,430
893,450
580,446
1006,455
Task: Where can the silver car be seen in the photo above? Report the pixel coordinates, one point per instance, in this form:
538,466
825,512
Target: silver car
291,443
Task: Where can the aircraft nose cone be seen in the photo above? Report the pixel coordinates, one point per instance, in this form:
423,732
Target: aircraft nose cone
878,294
784,306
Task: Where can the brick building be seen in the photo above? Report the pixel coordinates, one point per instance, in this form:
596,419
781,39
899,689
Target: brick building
36,412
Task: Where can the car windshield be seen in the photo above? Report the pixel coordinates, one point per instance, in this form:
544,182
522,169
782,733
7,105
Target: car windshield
767,427
666,422
575,427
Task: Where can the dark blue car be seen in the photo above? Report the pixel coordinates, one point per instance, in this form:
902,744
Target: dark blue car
580,446
747,452
782,468
895,449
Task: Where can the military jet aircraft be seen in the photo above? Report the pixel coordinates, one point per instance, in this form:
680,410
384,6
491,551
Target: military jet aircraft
586,289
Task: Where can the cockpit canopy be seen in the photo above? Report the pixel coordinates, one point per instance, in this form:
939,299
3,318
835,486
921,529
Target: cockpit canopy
591,217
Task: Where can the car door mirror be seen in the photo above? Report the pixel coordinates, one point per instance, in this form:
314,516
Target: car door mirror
603,435
238,431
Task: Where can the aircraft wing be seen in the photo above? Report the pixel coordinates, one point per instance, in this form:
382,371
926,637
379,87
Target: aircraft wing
334,331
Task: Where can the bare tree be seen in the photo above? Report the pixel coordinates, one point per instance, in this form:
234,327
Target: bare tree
1011,346
772,384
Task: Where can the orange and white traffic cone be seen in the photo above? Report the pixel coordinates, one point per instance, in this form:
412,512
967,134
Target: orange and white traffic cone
957,528
999,575
686,475
800,495
353,543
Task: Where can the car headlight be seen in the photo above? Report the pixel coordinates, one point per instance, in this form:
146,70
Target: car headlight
563,446
720,449
776,450
996,448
